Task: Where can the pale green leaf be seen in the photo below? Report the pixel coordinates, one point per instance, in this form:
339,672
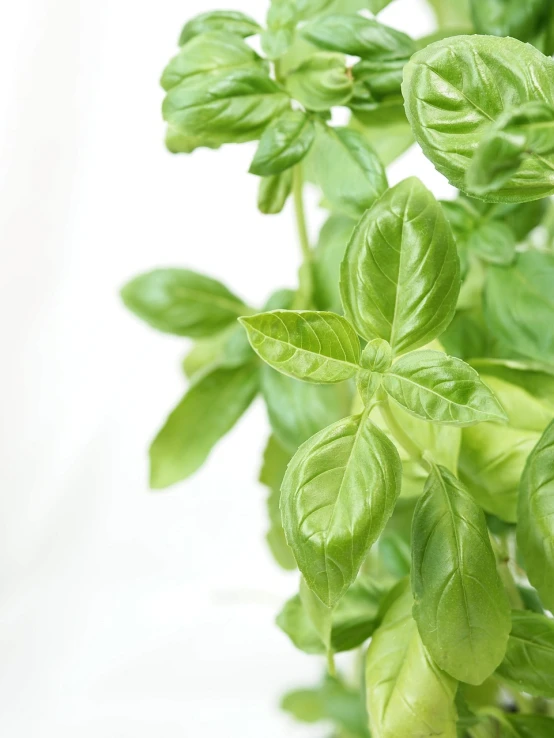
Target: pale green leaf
273,192
182,302
321,82
284,143
440,388
406,691
314,346
274,466
528,665
400,277
207,412
535,532
327,257
339,491
460,607
230,21
454,89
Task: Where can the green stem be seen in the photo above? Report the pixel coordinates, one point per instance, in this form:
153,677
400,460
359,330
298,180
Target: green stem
400,435
331,668
305,288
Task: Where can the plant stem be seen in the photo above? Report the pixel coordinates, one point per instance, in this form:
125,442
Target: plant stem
398,432
331,668
305,287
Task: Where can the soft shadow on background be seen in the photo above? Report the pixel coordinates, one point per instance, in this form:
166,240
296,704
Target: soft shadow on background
126,613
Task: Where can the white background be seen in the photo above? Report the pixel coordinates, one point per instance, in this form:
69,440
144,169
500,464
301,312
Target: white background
125,613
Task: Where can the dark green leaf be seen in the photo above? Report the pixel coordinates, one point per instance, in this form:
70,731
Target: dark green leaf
273,192
402,248
535,532
529,662
210,52
207,412
275,462
230,21
440,388
182,302
530,726
314,346
509,17
321,82
358,36
227,107
339,491
461,608
348,170
297,410
454,89
284,143
406,691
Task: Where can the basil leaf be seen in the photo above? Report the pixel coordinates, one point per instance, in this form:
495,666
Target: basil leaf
227,348
454,89
404,686
327,257
534,378
319,614
181,143
461,608
339,491
321,82
376,81
210,52
230,21
467,336
229,107
282,18
509,17
274,192
529,662
493,456
440,388
182,302
348,170
298,410
535,531
308,8
400,276
518,305
385,127
358,36
376,358
376,6
295,622
275,462
530,726
452,14
284,143
206,413
517,134
314,346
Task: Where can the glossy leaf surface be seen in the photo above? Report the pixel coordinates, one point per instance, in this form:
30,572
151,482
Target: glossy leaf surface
284,143
400,275
339,491
460,606
273,192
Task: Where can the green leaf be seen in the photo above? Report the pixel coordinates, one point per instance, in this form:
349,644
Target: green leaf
295,622
529,726
228,348
509,17
440,388
319,614
376,6
452,14
282,18
519,305
206,413
182,302
510,140
314,346
529,662
400,276
493,456
348,170
308,8
207,53
275,462
376,81
535,532
228,107
358,36
534,378
385,128
230,21
461,609
406,691
297,410
283,144
327,257
466,337
273,192
454,89
339,491
321,82
376,358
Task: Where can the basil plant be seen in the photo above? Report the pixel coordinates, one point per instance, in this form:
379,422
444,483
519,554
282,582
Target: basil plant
409,379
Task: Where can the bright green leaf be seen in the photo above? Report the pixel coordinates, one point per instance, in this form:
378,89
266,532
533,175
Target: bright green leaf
461,608
440,388
273,192
339,491
314,346
182,302
282,18
321,82
327,257
400,276
230,21
509,17
284,143
207,412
